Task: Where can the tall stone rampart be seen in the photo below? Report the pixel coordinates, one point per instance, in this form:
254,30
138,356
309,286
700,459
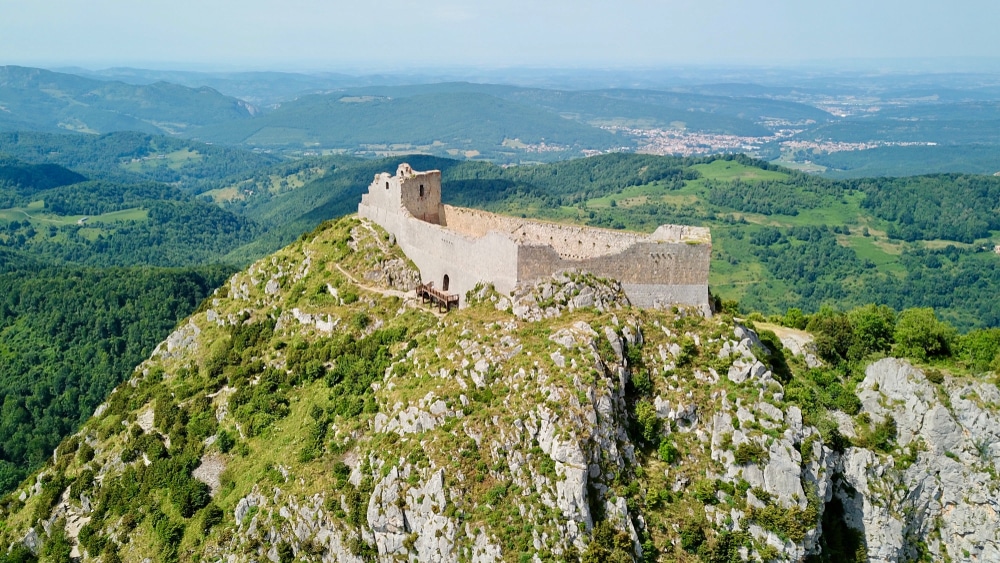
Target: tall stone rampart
457,248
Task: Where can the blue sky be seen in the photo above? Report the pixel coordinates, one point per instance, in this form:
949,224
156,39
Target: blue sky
396,34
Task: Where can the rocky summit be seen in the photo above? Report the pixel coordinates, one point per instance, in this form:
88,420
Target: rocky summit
314,410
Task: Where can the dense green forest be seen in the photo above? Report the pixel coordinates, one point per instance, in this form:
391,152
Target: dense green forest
129,156
70,335
909,160
957,207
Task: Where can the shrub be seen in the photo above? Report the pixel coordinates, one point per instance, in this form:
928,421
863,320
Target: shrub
692,536
226,441
689,351
705,490
750,452
649,424
883,436
607,544
794,319
790,523
934,376
980,349
873,328
210,516
668,452
919,334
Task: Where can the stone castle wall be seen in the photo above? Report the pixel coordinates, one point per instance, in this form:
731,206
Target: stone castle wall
469,246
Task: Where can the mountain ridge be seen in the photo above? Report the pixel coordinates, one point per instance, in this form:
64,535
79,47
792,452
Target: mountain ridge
300,415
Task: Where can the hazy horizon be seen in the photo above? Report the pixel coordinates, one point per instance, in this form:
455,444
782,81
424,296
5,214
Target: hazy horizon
396,36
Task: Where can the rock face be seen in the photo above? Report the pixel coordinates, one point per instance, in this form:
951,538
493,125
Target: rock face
944,499
314,412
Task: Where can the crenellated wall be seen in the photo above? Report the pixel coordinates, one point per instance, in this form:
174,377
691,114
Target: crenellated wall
667,267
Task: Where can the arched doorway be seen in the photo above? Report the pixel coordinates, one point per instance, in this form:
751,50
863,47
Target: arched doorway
444,284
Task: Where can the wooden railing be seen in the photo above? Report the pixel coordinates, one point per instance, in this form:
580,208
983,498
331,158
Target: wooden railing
428,294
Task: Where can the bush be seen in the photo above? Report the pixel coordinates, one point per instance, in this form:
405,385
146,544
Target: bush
650,425
980,349
750,452
794,319
689,351
934,376
920,335
692,536
883,436
226,441
705,490
873,328
668,452
608,544
210,516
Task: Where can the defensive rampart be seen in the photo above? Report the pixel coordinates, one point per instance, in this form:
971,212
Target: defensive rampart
457,248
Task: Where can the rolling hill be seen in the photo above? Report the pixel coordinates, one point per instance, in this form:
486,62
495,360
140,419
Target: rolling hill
33,99
129,156
464,123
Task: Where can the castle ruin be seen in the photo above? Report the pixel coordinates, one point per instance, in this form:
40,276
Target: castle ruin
457,248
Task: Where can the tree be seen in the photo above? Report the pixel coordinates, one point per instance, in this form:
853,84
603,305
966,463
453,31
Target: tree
920,335
873,327
980,349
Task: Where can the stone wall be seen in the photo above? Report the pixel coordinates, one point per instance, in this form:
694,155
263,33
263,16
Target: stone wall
457,248
439,252
569,241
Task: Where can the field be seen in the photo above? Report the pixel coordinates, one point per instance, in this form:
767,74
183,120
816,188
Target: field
39,218
174,160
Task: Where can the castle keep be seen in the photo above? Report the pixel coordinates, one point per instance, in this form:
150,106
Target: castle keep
457,248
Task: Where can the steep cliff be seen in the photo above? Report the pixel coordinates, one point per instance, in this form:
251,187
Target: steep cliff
314,410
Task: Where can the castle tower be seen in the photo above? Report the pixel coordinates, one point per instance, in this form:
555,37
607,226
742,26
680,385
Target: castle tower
418,192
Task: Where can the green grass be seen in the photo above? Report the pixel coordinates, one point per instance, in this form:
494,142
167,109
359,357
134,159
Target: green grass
884,255
37,218
731,170
174,160
633,195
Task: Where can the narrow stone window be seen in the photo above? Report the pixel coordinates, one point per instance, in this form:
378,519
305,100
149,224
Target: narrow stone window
444,283
387,185
421,190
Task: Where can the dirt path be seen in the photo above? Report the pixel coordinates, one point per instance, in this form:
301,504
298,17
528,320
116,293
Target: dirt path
408,297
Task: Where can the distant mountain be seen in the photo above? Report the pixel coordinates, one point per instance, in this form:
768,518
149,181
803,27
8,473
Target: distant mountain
40,100
726,113
261,88
457,121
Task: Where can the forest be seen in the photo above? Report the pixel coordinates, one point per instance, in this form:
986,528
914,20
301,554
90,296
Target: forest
69,335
